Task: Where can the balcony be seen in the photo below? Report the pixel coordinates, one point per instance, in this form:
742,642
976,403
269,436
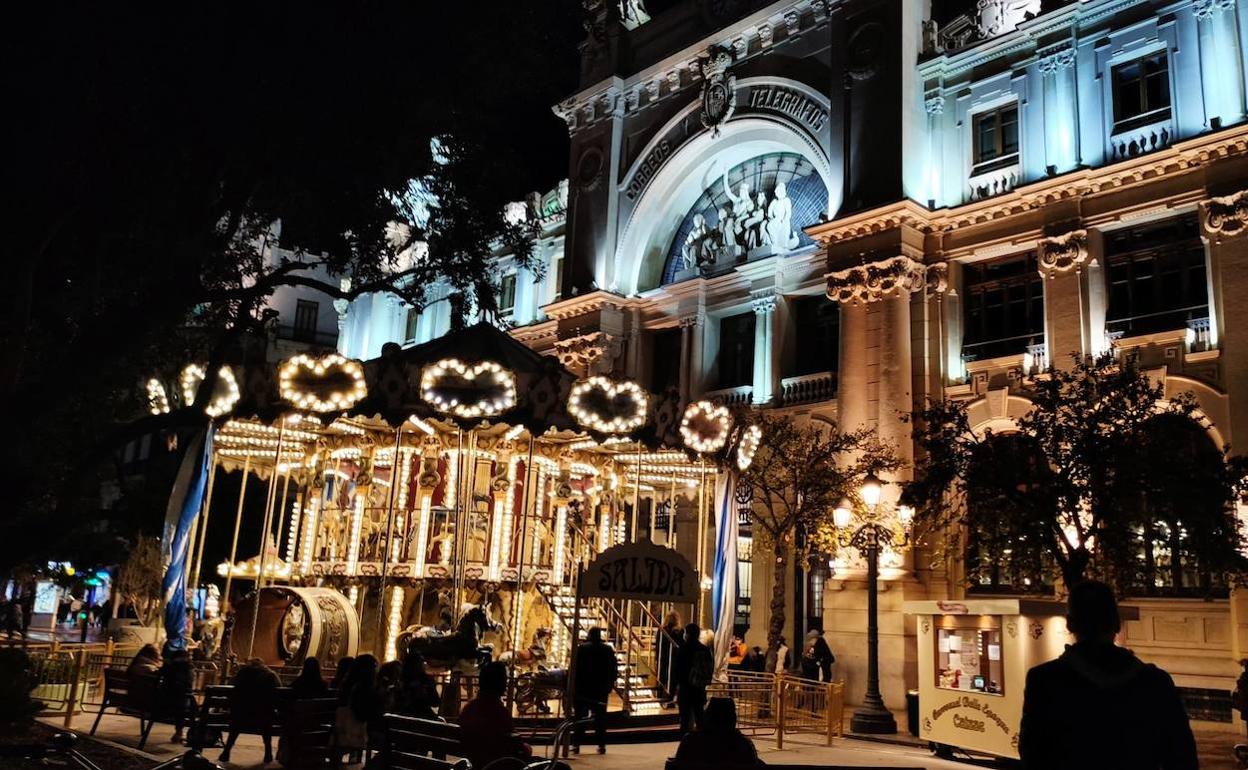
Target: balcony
807,389
996,179
1134,139
741,395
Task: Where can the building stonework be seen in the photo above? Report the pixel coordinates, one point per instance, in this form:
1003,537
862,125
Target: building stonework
870,217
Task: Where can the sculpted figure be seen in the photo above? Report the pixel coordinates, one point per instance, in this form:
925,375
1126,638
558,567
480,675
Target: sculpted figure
755,234
742,211
728,229
779,228
692,253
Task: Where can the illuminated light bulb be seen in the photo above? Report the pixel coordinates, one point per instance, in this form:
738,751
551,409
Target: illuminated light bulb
639,402
193,375
307,399
750,440
843,514
157,398
486,406
871,490
421,425
712,416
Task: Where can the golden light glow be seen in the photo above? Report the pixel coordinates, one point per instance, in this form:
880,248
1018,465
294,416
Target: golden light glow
633,409
748,446
306,367
434,376
422,533
561,527
705,426
157,398
224,398
396,617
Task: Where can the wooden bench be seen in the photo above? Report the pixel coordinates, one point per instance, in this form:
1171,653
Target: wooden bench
422,744
137,697
216,716
307,733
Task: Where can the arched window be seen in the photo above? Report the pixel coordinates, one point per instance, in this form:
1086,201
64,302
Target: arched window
724,232
1007,498
1170,488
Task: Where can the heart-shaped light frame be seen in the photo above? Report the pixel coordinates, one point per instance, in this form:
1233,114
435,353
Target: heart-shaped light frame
433,375
705,426
301,381
157,398
751,437
222,403
590,416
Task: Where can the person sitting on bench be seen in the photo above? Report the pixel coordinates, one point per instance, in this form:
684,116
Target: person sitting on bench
253,702
488,732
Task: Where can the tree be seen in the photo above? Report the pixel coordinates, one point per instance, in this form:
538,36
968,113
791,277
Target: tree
139,580
162,150
799,474
1083,485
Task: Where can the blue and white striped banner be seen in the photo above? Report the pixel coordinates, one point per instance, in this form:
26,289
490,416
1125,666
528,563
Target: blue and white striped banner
724,578
185,502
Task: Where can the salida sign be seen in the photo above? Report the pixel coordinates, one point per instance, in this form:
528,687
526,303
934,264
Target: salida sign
642,571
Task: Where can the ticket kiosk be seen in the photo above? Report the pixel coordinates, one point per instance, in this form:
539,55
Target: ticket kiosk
973,660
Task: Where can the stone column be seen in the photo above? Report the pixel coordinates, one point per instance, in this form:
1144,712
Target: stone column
895,401
1057,67
766,347
1221,67
1225,225
851,391
891,283
692,365
1061,260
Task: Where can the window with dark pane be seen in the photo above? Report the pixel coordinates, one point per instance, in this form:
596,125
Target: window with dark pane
306,312
665,366
816,322
1003,307
1141,91
996,136
410,324
1156,277
507,295
736,350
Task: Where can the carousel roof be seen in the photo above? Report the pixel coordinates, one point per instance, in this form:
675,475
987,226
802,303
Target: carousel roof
531,390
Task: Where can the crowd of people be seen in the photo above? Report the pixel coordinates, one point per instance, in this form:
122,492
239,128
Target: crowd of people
1097,705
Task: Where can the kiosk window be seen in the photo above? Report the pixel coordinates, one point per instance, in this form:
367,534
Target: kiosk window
968,656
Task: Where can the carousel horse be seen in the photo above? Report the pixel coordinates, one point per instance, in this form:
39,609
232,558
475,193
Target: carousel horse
532,657
461,650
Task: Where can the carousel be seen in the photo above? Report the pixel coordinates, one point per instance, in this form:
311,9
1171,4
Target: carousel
446,498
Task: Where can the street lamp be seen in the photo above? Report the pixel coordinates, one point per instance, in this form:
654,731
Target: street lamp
872,533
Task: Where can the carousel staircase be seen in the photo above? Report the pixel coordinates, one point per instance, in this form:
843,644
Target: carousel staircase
635,686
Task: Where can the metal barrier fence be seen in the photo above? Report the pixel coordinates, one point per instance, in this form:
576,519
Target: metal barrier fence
767,703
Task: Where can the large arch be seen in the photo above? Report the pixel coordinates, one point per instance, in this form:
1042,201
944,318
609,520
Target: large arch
647,230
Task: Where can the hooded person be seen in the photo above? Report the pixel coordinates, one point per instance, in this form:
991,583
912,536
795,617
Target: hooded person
1099,706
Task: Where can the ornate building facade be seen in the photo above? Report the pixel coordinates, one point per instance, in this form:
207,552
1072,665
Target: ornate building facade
844,209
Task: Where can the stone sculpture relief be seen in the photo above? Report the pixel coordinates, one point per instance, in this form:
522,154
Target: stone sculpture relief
749,224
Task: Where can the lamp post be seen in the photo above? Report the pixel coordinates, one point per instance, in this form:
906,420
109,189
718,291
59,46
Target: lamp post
868,533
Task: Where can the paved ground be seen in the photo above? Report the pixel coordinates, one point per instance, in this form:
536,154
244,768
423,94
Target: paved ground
122,731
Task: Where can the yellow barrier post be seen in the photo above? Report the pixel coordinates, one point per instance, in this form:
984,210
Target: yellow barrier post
780,712
80,659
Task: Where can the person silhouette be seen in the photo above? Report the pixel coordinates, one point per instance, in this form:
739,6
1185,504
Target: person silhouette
1099,706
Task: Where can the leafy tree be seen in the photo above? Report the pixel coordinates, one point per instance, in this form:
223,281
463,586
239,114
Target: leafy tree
1085,485
161,146
800,472
139,580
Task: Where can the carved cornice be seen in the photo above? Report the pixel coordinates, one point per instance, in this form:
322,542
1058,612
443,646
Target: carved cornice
1226,216
1063,58
588,303
899,276
588,354
764,301
1063,253
1204,9
675,74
